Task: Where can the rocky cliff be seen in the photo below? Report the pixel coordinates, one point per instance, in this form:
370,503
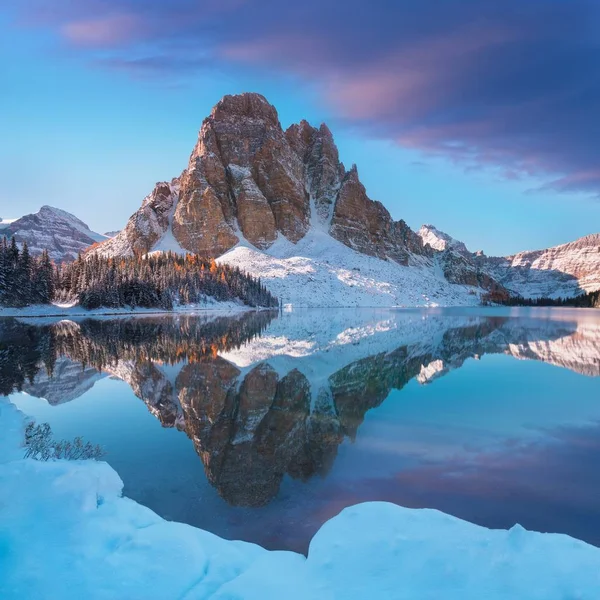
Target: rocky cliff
249,179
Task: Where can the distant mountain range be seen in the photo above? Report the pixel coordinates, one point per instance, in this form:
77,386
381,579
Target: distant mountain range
280,205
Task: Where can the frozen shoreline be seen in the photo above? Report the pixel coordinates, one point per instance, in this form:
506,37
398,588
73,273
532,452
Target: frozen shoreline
57,310
68,532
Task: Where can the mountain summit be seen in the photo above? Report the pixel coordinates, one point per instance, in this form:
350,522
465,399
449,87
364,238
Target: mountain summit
248,179
52,229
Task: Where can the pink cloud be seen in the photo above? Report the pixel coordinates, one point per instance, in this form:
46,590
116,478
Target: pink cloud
104,31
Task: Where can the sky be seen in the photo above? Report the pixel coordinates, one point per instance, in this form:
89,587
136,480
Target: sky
478,116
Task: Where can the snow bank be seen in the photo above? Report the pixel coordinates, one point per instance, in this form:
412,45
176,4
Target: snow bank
66,532
319,271
74,310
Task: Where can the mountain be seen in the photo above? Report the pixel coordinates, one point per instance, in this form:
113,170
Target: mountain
250,181
52,229
440,241
561,271
282,206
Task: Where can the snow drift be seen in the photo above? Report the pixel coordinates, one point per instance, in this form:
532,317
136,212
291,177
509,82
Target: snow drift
67,532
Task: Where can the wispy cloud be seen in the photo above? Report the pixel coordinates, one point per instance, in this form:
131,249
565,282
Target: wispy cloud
503,83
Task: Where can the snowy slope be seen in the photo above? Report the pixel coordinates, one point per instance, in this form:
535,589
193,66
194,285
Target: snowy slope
561,271
103,545
320,271
439,240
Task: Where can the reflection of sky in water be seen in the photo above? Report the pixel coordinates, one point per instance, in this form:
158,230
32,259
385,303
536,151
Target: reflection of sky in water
495,441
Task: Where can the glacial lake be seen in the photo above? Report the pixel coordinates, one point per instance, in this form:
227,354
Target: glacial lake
263,425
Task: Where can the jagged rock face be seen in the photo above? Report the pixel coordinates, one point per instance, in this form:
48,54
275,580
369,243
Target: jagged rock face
323,171
463,268
247,176
147,225
367,226
242,173
63,235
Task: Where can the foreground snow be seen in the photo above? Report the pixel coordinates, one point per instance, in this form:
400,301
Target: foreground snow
319,271
74,310
67,532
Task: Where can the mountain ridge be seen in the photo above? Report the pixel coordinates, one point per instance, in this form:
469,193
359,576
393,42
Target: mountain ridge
59,232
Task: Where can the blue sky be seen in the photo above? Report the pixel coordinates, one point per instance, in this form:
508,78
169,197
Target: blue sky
479,117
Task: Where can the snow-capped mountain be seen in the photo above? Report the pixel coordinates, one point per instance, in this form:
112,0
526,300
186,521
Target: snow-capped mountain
281,206
440,241
561,271
52,229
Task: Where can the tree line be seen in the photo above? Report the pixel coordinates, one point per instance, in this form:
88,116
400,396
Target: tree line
158,281
585,300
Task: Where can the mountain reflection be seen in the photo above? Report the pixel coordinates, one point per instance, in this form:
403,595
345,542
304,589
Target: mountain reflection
262,396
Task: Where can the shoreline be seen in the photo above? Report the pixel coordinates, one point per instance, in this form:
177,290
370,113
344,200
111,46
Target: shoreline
42,311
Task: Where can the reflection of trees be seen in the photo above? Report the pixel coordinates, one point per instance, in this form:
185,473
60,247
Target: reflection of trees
25,348
253,428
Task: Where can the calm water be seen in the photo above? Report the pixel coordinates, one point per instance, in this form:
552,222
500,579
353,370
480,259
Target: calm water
263,426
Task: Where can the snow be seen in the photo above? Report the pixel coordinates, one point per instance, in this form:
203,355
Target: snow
74,310
319,271
67,532
439,240
168,242
73,221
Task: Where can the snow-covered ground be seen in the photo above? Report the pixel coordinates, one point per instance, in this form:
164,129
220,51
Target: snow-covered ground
67,532
73,310
319,271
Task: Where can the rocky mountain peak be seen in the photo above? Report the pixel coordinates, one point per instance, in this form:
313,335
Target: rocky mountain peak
441,241
248,105
247,179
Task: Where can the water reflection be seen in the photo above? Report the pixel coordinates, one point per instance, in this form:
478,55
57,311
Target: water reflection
263,396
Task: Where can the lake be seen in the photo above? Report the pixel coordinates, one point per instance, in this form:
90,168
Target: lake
263,425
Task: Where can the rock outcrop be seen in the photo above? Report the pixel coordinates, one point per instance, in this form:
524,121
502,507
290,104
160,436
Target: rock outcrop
147,225
249,178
